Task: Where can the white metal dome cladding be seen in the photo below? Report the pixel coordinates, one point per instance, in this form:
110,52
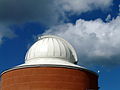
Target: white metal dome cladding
51,49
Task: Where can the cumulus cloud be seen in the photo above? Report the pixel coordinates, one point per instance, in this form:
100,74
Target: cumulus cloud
95,41
5,32
49,12
80,6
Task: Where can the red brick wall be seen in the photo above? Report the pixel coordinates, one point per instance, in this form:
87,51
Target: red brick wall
49,78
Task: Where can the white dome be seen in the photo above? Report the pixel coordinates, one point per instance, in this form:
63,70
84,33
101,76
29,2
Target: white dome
51,50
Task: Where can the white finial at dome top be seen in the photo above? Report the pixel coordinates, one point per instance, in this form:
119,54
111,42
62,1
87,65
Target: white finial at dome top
50,49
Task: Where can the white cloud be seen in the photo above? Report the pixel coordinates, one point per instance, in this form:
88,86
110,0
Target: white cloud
80,6
49,12
94,40
5,32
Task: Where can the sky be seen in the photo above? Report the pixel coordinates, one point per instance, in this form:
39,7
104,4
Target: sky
91,26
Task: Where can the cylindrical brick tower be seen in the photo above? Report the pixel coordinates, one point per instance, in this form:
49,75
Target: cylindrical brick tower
49,65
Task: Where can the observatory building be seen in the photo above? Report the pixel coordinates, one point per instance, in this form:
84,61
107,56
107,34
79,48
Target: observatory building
50,64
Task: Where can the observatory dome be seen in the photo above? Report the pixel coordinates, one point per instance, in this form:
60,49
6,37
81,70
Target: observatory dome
51,49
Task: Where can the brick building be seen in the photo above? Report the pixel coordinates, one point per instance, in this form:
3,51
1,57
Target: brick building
50,64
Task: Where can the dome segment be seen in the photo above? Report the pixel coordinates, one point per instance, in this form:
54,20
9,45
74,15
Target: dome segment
52,48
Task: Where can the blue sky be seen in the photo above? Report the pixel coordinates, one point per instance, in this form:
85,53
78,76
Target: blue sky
91,26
